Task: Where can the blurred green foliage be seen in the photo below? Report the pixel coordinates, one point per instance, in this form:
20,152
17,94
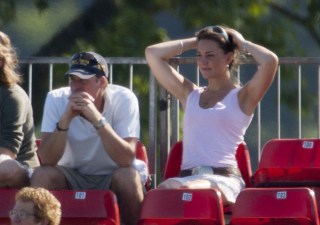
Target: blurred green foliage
123,28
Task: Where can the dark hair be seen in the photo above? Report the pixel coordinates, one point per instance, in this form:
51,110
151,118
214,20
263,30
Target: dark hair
219,34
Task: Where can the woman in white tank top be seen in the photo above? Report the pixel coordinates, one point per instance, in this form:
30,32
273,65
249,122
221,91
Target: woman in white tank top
218,115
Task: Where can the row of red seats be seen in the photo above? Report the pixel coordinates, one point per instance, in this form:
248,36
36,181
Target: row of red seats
277,195
184,206
254,206
90,207
279,192
286,185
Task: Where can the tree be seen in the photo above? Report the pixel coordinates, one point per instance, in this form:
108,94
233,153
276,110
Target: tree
129,24
126,27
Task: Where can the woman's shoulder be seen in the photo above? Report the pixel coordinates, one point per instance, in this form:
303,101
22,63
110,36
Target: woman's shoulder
14,93
195,92
194,95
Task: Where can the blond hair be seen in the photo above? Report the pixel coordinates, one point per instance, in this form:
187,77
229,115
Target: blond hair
8,63
46,205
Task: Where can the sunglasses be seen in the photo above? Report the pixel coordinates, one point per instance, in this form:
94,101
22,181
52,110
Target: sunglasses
216,29
87,59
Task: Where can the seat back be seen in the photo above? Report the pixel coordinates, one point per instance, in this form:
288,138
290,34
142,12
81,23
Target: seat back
141,153
95,207
90,207
182,206
297,153
38,142
281,206
289,162
174,161
7,201
244,163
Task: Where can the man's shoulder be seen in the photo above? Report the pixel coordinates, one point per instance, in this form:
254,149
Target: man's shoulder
116,87
119,91
60,92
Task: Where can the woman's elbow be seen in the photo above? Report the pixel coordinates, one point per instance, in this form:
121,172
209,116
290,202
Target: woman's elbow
148,51
270,62
273,60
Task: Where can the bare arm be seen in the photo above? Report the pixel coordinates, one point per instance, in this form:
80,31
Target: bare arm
8,152
53,144
254,90
121,150
158,55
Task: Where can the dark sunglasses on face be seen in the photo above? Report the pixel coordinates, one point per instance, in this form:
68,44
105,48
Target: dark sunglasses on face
87,59
216,29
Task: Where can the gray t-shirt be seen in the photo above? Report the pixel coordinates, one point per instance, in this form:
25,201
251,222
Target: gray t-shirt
17,126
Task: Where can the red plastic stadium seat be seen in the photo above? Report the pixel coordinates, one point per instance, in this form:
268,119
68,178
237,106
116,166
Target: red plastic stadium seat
182,206
244,163
175,158
38,143
91,207
289,162
78,207
275,206
141,153
174,161
7,201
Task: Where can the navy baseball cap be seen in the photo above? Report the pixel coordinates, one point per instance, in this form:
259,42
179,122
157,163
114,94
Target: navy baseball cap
87,64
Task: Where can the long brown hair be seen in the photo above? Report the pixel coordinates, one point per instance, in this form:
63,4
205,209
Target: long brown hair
8,63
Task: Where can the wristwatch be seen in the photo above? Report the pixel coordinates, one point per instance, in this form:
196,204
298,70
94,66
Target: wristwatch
103,121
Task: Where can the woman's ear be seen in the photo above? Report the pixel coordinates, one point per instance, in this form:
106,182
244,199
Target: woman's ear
230,57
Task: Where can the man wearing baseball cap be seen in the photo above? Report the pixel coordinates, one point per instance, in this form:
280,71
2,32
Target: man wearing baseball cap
89,135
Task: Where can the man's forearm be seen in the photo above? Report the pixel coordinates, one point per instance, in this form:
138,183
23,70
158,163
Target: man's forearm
52,147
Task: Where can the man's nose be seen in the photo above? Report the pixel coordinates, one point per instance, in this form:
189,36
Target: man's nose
77,86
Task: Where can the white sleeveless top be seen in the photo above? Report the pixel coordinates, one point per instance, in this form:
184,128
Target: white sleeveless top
211,136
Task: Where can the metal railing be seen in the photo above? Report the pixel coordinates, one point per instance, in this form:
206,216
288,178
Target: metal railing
290,109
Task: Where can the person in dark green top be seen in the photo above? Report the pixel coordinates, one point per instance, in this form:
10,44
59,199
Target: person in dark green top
17,140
